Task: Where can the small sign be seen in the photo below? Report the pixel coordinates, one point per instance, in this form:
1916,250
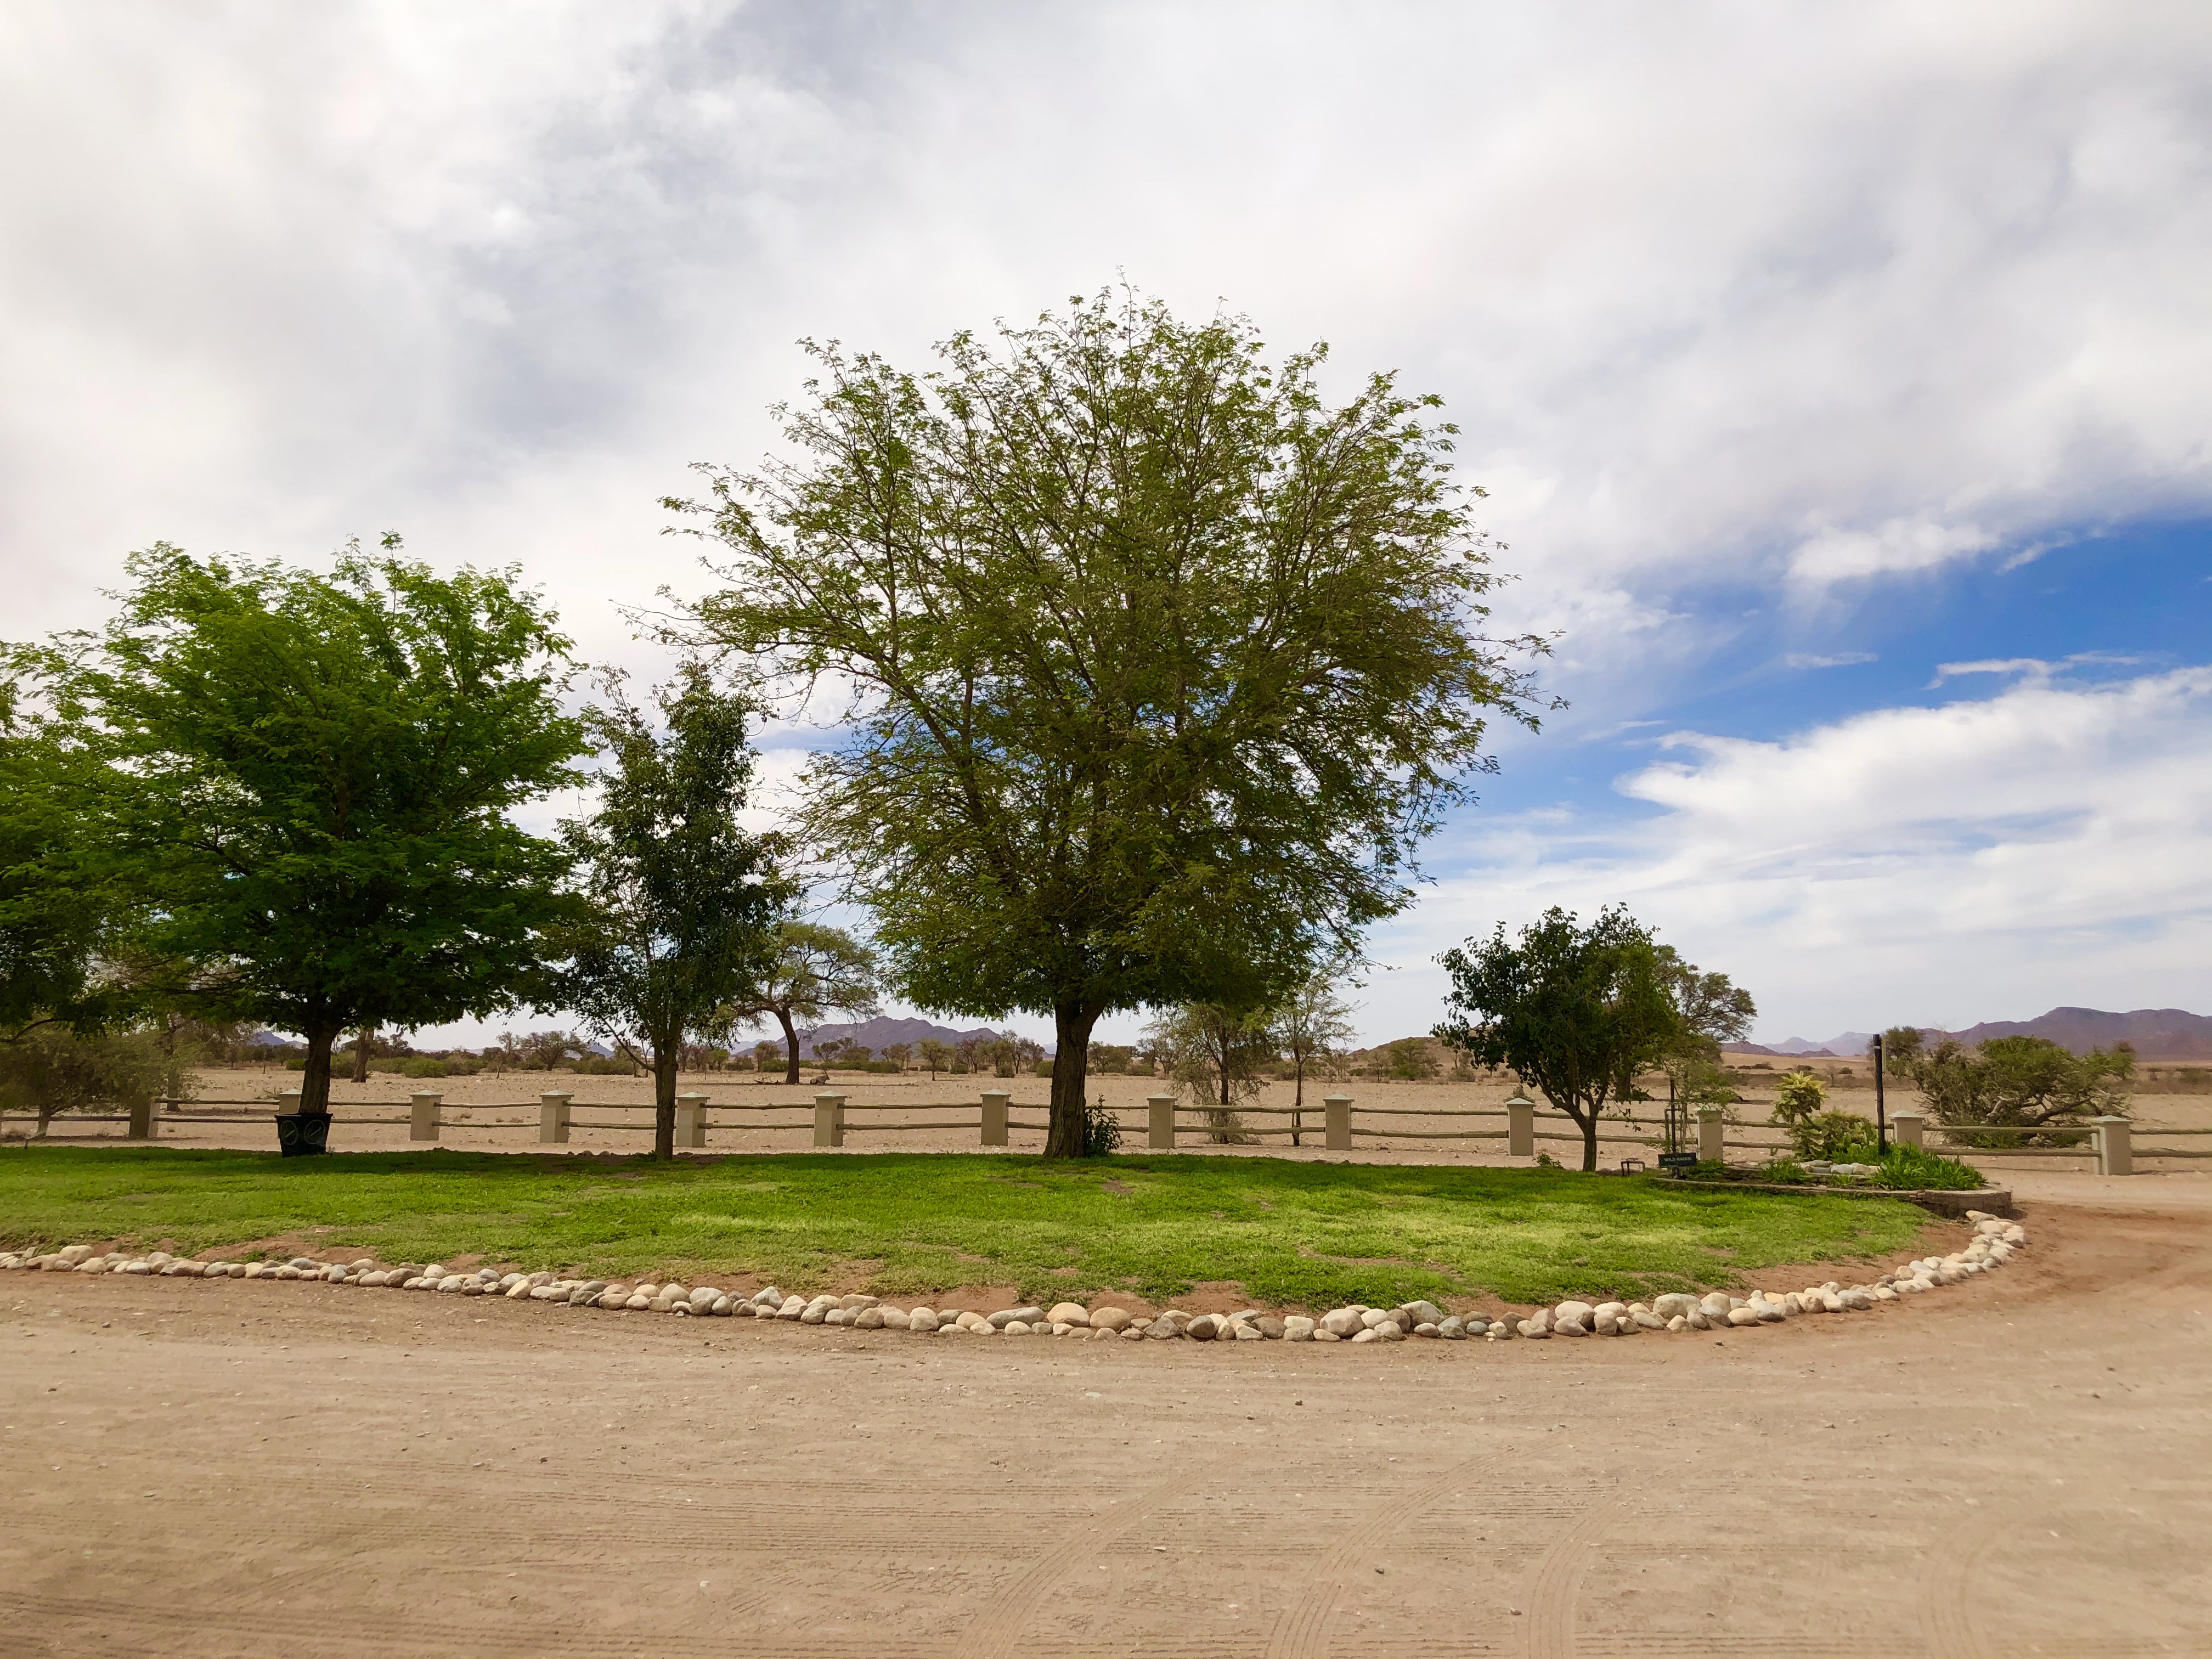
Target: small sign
1678,1160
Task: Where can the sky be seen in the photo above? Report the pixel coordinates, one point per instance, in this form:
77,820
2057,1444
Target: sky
1840,378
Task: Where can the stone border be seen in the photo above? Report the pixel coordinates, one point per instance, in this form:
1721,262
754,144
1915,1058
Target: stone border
1960,1203
1994,1244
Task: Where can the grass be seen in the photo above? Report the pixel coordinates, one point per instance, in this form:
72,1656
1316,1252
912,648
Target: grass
1291,1233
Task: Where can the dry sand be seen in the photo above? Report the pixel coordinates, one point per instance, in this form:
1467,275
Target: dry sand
2011,1466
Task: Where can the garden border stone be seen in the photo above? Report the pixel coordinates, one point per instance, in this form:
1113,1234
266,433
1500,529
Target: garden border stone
1951,1202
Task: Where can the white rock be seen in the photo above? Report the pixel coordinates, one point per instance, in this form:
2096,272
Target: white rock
1298,1328
1342,1321
923,1320
1579,1312
1742,1316
1682,1322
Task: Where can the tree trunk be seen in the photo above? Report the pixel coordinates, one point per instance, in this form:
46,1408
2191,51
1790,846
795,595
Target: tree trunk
1071,1026
790,1047
1298,1105
315,1081
667,1058
1589,1142
361,1038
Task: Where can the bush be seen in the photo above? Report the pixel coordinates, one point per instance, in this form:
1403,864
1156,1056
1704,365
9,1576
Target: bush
51,1069
1101,1132
2023,1082
605,1066
423,1066
1836,1136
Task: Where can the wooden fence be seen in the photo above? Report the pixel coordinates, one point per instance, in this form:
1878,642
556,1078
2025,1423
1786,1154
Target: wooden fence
1163,1123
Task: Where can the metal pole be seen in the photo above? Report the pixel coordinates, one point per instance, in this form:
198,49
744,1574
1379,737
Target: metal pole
1880,1109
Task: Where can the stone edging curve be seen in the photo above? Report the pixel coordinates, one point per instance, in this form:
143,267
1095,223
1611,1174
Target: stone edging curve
1994,1244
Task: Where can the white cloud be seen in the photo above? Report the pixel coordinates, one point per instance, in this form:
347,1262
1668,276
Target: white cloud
1979,860
1833,659
1767,303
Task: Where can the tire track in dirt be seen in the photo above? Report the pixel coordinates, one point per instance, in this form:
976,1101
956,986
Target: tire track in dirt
1946,1614
1557,1579
996,1631
1301,1631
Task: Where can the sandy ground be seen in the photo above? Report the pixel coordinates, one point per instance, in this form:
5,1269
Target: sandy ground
2014,1466
500,1114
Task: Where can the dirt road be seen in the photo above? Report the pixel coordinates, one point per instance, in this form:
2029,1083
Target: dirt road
2014,1466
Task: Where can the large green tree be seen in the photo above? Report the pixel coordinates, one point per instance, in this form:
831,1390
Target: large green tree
1154,664
1577,1011
61,915
680,899
308,779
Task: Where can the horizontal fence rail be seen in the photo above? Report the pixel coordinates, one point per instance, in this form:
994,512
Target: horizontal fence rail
1162,1122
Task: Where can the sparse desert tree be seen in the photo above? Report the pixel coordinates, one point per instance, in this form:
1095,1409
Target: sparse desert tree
936,1055
52,1069
1218,1057
1154,666
815,971
1310,1027
898,1053
2023,1082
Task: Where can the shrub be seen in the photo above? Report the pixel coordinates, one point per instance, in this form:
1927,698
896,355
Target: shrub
423,1066
52,1069
1102,1131
1835,1136
2023,1082
605,1066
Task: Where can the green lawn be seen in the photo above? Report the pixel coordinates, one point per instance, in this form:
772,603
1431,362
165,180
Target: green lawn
1295,1233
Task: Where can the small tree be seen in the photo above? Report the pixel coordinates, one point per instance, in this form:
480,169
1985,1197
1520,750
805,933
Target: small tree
768,1056
684,898
815,971
1579,1012
311,779
1411,1061
2023,1082
1217,1056
1901,1049
898,1053
937,1056
1312,1026
50,1070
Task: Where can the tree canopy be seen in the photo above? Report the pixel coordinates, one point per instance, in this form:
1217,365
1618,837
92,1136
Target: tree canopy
1155,665
1578,1011
679,900
812,971
306,779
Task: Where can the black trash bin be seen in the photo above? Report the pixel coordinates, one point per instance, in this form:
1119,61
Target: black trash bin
301,1135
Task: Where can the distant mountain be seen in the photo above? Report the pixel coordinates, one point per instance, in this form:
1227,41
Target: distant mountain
2163,1031
880,1033
2167,1032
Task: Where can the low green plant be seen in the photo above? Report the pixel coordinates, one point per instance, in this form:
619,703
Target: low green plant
1798,1096
1835,1136
424,1066
1102,1131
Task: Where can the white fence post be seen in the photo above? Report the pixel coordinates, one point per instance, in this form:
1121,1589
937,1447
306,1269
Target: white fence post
691,1120
2116,1149
1159,1126
995,1116
1712,1135
287,1102
1910,1128
553,1117
423,1116
1520,1126
829,1120
1336,1121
